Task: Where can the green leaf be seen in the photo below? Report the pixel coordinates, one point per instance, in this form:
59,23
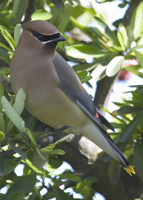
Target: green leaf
101,1
2,123
47,148
139,56
68,10
70,176
128,109
133,70
137,99
138,159
17,33
29,163
49,195
83,51
137,47
86,17
2,166
19,103
81,67
114,66
2,136
4,52
5,59
62,139
130,128
121,40
123,31
93,179
86,79
31,136
4,71
84,183
122,5
60,195
9,126
4,46
12,115
41,14
83,76
18,150
84,188
54,163
135,26
97,35
128,152
114,172
6,78
39,161
115,49
17,196
10,165
81,27
99,72
8,37
57,3
57,152
18,10
104,29
24,184
43,157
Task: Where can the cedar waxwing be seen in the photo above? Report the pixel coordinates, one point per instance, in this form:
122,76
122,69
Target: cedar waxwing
54,94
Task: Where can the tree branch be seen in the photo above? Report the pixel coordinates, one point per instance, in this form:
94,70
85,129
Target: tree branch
132,6
104,88
29,11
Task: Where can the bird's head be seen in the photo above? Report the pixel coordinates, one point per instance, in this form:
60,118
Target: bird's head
40,36
43,31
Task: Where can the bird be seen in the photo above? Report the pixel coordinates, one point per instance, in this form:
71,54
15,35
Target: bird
54,93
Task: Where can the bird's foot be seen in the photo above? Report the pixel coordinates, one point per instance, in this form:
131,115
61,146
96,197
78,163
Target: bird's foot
50,139
60,129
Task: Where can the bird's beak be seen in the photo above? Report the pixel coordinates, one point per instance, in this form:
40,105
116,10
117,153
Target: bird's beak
61,38
55,40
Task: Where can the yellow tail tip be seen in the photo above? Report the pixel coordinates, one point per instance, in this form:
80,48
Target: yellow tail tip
130,170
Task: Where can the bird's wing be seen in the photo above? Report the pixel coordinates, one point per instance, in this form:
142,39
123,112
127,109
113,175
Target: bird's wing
72,86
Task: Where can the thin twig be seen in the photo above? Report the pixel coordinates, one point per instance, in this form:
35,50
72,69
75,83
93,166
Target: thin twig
29,11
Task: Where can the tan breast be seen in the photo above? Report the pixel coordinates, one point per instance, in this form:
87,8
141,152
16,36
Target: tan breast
45,100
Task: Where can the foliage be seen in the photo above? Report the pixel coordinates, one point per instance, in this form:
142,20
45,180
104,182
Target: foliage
19,133
128,123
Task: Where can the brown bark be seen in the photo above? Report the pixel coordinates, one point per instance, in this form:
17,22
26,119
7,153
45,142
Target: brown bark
103,91
132,6
30,10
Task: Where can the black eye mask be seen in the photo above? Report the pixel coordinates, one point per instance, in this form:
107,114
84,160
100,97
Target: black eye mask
45,38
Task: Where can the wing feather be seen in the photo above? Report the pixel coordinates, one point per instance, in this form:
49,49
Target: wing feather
71,85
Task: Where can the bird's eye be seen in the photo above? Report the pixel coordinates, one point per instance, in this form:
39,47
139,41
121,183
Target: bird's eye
37,35
40,37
